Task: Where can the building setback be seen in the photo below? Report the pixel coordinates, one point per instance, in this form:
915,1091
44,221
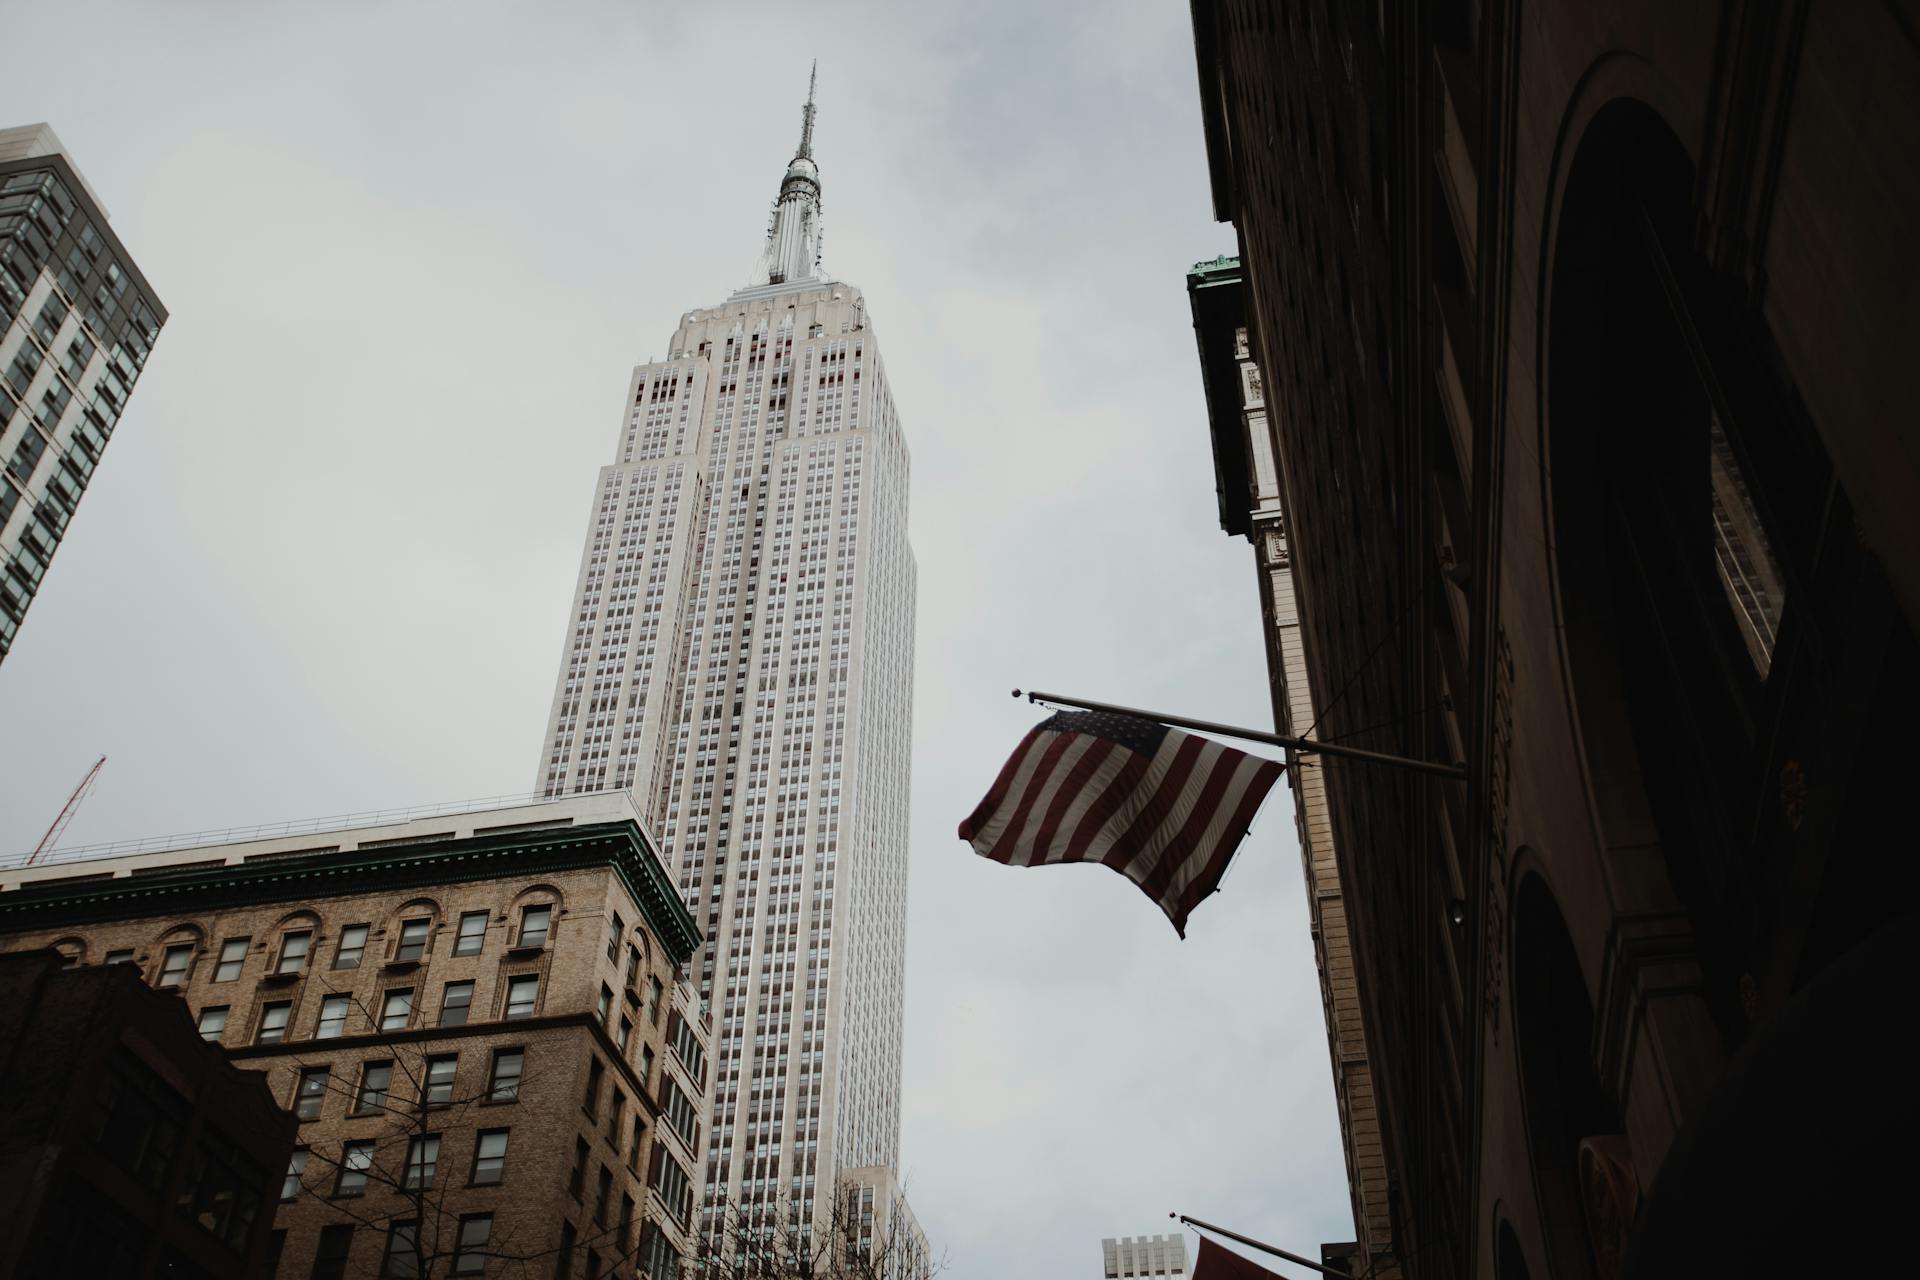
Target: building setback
740,655
1587,329
77,321
1246,465
128,1146
475,1017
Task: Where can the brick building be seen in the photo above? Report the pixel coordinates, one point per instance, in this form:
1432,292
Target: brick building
477,1019
1588,329
1246,453
128,1146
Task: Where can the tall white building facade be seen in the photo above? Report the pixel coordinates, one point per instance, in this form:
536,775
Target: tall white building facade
740,655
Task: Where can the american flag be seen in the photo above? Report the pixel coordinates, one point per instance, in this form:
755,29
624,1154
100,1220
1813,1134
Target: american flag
1164,808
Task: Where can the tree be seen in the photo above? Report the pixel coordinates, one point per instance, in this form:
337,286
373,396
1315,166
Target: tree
855,1243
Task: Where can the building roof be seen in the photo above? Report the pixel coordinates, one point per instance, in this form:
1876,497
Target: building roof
313,860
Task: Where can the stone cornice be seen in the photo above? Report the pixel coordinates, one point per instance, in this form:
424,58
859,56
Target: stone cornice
619,845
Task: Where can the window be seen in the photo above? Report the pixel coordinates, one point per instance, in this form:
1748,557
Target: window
273,1022
423,1160
522,992
353,945
626,1033
413,940
355,1159
296,1170
593,1265
470,1256
614,929
626,1224
213,1021
473,934
633,967
375,1079
646,1064
174,964
330,1259
119,957
534,923
438,1091
563,1261
1748,572
602,1193
401,1261
333,1018
654,992
604,1009
311,1093
396,1010
503,1084
233,956
577,1176
614,1112
455,1001
293,952
489,1157
595,1071
633,1143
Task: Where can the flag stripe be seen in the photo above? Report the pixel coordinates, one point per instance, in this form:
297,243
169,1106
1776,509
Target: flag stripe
1163,807
1055,766
984,810
1072,788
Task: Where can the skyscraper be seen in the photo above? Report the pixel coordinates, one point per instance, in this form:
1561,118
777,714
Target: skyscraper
740,656
77,320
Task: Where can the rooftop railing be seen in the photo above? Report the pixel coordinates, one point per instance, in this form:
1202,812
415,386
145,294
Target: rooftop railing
304,826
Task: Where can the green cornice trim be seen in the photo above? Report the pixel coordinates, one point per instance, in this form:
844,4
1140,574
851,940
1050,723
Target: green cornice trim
619,845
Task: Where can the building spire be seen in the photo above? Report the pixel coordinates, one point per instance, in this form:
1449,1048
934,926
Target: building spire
792,251
806,116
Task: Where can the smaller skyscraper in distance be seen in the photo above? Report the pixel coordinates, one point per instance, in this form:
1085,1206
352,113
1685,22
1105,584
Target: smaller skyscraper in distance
1145,1257
77,321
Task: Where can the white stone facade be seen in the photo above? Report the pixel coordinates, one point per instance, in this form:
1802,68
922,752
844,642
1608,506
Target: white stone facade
740,655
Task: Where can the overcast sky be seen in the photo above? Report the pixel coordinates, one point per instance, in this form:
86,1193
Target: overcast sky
411,253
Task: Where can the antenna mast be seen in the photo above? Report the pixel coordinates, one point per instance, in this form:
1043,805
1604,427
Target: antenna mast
67,811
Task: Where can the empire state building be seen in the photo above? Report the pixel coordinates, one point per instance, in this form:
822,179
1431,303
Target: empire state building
740,656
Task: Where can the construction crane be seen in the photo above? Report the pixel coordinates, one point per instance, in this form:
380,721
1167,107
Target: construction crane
67,811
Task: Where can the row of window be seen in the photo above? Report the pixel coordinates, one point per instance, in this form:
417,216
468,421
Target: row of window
395,1011
296,945
355,1170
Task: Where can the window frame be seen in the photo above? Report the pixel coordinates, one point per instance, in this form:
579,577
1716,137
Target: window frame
185,974
349,1153
545,911
499,1161
413,949
200,1023
478,938
351,958
521,982
268,1030
238,962
465,986
345,1005
518,1054
387,1000
302,1095
428,1084
369,1099
286,955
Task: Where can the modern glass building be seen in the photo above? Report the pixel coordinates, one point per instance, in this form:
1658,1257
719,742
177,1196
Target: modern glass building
740,656
77,321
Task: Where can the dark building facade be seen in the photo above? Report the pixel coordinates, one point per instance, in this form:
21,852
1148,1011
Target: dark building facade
129,1147
1587,333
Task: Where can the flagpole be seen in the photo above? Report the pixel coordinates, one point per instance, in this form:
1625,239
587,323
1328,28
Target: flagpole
1275,1250
1457,772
